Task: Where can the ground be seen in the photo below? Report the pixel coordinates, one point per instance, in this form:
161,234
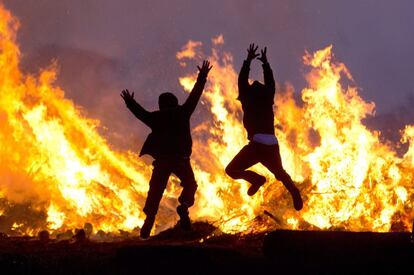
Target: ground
205,251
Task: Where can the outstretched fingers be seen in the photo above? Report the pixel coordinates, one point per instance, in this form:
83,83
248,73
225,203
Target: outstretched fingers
126,95
252,47
207,65
251,51
205,68
263,57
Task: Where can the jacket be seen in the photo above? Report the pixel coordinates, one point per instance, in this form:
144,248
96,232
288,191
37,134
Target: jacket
257,101
171,135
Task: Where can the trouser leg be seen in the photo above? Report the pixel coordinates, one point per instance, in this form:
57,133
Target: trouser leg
185,174
160,174
272,161
247,157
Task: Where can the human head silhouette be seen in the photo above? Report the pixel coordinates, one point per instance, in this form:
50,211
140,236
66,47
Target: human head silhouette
167,101
256,86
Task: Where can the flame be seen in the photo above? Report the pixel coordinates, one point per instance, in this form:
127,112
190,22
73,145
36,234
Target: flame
408,136
349,179
54,159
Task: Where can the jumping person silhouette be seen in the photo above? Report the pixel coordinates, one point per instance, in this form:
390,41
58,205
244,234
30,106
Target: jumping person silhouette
170,145
258,119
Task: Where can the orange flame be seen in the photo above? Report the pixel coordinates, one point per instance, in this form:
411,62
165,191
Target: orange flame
350,179
54,158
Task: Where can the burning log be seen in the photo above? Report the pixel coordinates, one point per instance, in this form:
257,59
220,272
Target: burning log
272,217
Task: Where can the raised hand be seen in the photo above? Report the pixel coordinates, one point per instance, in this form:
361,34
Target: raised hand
205,68
127,96
251,52
263,58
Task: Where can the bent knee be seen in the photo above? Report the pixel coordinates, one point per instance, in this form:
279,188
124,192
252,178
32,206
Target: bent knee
230,171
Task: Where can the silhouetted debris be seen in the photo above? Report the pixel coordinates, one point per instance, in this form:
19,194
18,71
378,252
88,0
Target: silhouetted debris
43,236
88,229
67,235
100,234
24,215
412,233
80,236
124,234
3,236
199,230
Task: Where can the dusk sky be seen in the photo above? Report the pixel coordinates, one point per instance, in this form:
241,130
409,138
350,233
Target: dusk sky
104,46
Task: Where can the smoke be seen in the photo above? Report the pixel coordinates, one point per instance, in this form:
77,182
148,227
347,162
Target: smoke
136,48
391,124
139,40
93,81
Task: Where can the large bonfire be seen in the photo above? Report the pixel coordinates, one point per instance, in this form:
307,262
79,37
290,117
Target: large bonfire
58,173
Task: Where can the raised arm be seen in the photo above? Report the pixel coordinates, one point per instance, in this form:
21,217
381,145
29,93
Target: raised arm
243,80
135,108
195,94
269,80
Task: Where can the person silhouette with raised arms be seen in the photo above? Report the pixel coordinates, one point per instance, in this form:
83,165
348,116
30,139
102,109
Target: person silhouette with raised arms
170,145
257,104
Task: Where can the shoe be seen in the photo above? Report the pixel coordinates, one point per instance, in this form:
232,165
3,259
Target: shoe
185,221
297,199
256,186
146,228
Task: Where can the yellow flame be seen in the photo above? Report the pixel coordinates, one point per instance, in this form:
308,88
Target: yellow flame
55,218
189,50
16,226
408,136
350,180
51,153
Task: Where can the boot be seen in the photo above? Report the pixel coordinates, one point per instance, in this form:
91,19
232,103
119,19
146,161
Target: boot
256,186
146,228
185,221
297,199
